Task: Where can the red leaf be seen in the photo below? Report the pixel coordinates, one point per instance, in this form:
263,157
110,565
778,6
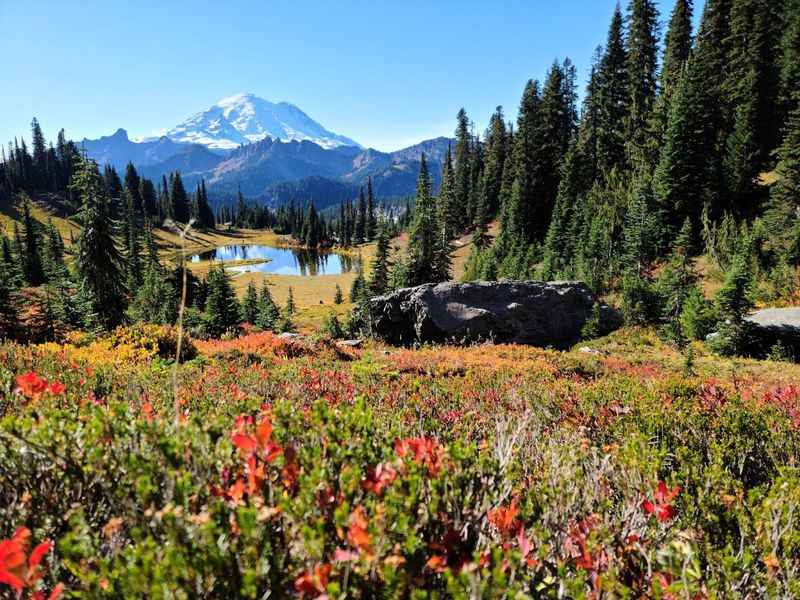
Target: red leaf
38,554
244,442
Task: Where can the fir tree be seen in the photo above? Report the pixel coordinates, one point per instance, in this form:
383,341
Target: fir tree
370,228
31,259
179,199
613,98
423,237
132,187
268,312
642,63
381,266
675,283
677,49
495,158
461,174
338,297
221,308
249,308
156,299
733,302
361,219
9,312
782,215
98,261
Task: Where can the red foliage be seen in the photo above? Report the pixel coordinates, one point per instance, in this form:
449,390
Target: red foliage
20,570
423,451
32,386
505,520
313,583
660,506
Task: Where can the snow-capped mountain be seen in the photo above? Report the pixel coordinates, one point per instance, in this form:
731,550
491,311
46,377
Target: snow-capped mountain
246,118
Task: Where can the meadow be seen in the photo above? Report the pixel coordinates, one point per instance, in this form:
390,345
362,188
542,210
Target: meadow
299,468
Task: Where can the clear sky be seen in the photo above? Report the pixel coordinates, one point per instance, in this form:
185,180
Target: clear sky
385,73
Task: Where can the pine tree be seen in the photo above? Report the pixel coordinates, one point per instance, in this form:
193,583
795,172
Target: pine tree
98,261
613,98
249,308
31,260
133,259
782,216
156,299
675,283
9,310
149,199
358,289
221,308
371,224
642,63
449,219
381,266
39,158
461,174
423,237
53,254
677,49
733,302
360,229
496,145
338,297
311,227
179,199
132,187
268,312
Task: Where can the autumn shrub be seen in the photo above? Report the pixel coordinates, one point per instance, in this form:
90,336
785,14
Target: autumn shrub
437,472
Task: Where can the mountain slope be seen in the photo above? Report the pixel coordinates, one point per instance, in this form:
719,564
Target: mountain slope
245,118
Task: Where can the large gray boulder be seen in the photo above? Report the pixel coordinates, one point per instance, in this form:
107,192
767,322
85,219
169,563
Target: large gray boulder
776,325
521,312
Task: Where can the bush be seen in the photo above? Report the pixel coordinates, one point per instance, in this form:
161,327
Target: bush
332,327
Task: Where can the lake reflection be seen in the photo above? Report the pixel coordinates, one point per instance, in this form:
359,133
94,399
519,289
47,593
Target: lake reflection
280,261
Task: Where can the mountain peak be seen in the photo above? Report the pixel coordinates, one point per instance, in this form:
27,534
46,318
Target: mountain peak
244,118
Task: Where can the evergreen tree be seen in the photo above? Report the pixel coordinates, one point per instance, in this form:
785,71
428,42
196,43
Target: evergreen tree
133,187
677,49
676,282
268,312
782,215
379,276
156,299
39,158
311,227
423,237
249,308
133,261
642,63
461,174
495,158
98,261
361,219
147,192
9,312
221,308
53,254
179,199
338,297
733,302
31,245
613,98
449,219
371,224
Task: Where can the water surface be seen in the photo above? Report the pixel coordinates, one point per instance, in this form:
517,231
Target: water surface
280,261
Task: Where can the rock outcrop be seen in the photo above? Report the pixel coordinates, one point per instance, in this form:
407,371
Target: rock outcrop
522,312
776,325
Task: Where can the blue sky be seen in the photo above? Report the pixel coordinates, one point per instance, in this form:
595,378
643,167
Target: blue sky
387,74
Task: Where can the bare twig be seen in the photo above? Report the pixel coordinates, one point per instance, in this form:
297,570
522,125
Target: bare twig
182,232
